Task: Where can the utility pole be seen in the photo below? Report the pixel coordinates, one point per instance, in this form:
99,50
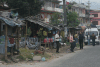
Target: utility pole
64,9
89,10
65,18
89,14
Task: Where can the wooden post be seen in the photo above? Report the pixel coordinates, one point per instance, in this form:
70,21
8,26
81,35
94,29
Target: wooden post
26,34
6,41
45,45
18,38
0,28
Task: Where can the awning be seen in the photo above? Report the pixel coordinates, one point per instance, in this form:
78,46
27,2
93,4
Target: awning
41,23
10,22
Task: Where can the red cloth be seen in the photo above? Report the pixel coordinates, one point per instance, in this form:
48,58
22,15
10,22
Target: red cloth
11,40
45,40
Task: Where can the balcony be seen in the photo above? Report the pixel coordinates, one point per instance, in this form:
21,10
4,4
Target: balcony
81,15
53,9
91,16
58,10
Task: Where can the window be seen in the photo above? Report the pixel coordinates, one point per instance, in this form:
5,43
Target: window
95,15
57,5
91,32
95,22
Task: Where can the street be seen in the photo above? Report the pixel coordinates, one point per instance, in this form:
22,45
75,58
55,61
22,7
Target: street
88,57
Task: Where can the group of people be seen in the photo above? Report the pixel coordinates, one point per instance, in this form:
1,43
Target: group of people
79,39
75,39
93,37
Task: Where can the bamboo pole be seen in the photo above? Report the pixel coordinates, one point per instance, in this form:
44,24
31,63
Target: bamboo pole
5,41
26,35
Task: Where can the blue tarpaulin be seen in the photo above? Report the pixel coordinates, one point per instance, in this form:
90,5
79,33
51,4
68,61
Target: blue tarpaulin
2,44
9,21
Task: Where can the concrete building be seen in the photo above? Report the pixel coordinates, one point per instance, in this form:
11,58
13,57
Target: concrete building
95,17
49,8
80,9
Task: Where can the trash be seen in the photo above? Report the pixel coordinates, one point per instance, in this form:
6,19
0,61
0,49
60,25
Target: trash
32,53
43,59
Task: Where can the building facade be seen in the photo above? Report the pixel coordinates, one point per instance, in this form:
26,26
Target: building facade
95,17
49,8
80,9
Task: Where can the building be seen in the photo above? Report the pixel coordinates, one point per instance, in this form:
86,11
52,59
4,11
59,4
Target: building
49,8
80,9
95,17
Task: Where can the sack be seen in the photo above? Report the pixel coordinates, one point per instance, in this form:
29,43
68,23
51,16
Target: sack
55,45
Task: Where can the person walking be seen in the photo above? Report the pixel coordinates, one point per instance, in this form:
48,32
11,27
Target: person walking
76,38
57,41
71,42
93,39
88,38
81,37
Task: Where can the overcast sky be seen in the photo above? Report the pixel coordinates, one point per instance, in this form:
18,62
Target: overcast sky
95,4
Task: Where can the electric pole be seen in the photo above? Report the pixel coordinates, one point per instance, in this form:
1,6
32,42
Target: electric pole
89,10
64,10
65,18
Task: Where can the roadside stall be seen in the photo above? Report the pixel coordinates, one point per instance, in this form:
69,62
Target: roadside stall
38,32
9,34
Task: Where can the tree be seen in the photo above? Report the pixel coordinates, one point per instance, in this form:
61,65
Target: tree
55,18
25,7
72,19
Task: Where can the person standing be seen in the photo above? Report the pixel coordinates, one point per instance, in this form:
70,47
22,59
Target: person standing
93,39
71,42
57,41
81,37
88,37
76,38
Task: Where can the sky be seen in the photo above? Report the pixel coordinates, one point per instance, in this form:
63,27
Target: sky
95,4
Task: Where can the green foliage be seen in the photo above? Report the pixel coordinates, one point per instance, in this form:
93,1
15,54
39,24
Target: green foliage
29,57
72,19
21,57
40,33
69,6
77,45
54,18
25,7
67,43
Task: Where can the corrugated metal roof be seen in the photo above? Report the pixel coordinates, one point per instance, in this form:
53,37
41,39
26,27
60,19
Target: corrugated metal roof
37,21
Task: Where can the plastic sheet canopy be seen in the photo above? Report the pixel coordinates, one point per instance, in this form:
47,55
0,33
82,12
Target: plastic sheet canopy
9,22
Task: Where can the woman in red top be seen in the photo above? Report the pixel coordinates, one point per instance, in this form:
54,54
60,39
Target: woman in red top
71,41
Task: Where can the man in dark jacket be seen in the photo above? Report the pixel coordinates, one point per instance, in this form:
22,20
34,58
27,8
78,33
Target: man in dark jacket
93,39
81,37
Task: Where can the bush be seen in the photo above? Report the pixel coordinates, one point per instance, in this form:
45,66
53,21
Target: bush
67,43
29,57
21,57
77,45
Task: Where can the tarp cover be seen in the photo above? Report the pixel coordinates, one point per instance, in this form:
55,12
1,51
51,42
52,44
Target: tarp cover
9,21
2,44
